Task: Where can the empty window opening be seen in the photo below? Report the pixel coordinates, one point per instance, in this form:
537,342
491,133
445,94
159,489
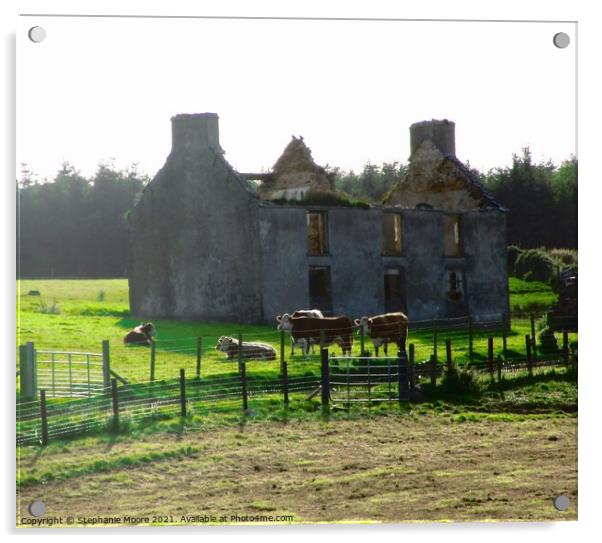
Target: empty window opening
392,234
320,289
395,290
452,235
455,289
317,238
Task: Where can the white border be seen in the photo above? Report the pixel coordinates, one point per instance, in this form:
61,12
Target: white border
590,180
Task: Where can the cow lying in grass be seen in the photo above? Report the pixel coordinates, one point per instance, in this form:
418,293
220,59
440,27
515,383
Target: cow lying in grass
251,350
141,335
385,329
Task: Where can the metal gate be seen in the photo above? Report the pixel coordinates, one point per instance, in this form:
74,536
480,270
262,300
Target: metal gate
63,373
71,374
367,379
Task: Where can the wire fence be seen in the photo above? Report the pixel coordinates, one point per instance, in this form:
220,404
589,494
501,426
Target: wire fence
340,382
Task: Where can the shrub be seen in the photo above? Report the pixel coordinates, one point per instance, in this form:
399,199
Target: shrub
535,265
460,381
513,253
325,198
568,257
53,309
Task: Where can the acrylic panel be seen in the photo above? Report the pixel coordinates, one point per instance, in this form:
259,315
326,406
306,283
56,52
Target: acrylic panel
295,271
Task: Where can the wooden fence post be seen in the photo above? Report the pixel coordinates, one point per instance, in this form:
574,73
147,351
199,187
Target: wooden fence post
499,368
322,340
152,361
533,341
448,354
182,393
402,376
199,354
115,405
281,351
504,333
470,338
565,347
285,381
490,355
412,367
325,379
106,364
242,368
27,373
43,417
529,360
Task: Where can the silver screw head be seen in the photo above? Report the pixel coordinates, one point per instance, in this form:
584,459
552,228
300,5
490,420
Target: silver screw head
561,40
37,508
37,34
561,503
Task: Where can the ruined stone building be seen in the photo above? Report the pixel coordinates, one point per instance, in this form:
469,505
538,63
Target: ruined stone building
209,243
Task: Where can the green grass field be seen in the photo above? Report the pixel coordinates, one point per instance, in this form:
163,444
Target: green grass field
77,315
488,454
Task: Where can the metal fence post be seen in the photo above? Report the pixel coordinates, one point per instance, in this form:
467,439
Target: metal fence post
182,393
325,379
27,377
43,417
199,354
106,364
152,361
115,405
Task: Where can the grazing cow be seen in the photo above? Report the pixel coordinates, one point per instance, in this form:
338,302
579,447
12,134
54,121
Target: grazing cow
316,313
384,329
250,350
307,330
141,335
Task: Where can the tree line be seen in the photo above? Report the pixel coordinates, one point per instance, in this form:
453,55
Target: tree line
75,226
541,198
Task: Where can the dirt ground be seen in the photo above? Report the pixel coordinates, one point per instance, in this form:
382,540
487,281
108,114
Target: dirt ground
382,469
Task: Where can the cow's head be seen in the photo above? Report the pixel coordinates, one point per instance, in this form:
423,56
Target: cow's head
148,328
284,322
363,323
224,342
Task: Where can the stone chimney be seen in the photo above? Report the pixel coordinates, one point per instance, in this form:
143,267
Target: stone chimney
441,133
192,132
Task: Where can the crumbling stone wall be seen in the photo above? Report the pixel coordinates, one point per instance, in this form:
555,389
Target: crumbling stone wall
194,240
294,174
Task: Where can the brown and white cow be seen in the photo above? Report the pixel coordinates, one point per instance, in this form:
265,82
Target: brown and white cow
316,313
251,350
141,335
307,330
385,329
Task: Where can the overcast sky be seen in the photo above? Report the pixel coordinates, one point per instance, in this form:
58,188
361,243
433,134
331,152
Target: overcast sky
99,89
